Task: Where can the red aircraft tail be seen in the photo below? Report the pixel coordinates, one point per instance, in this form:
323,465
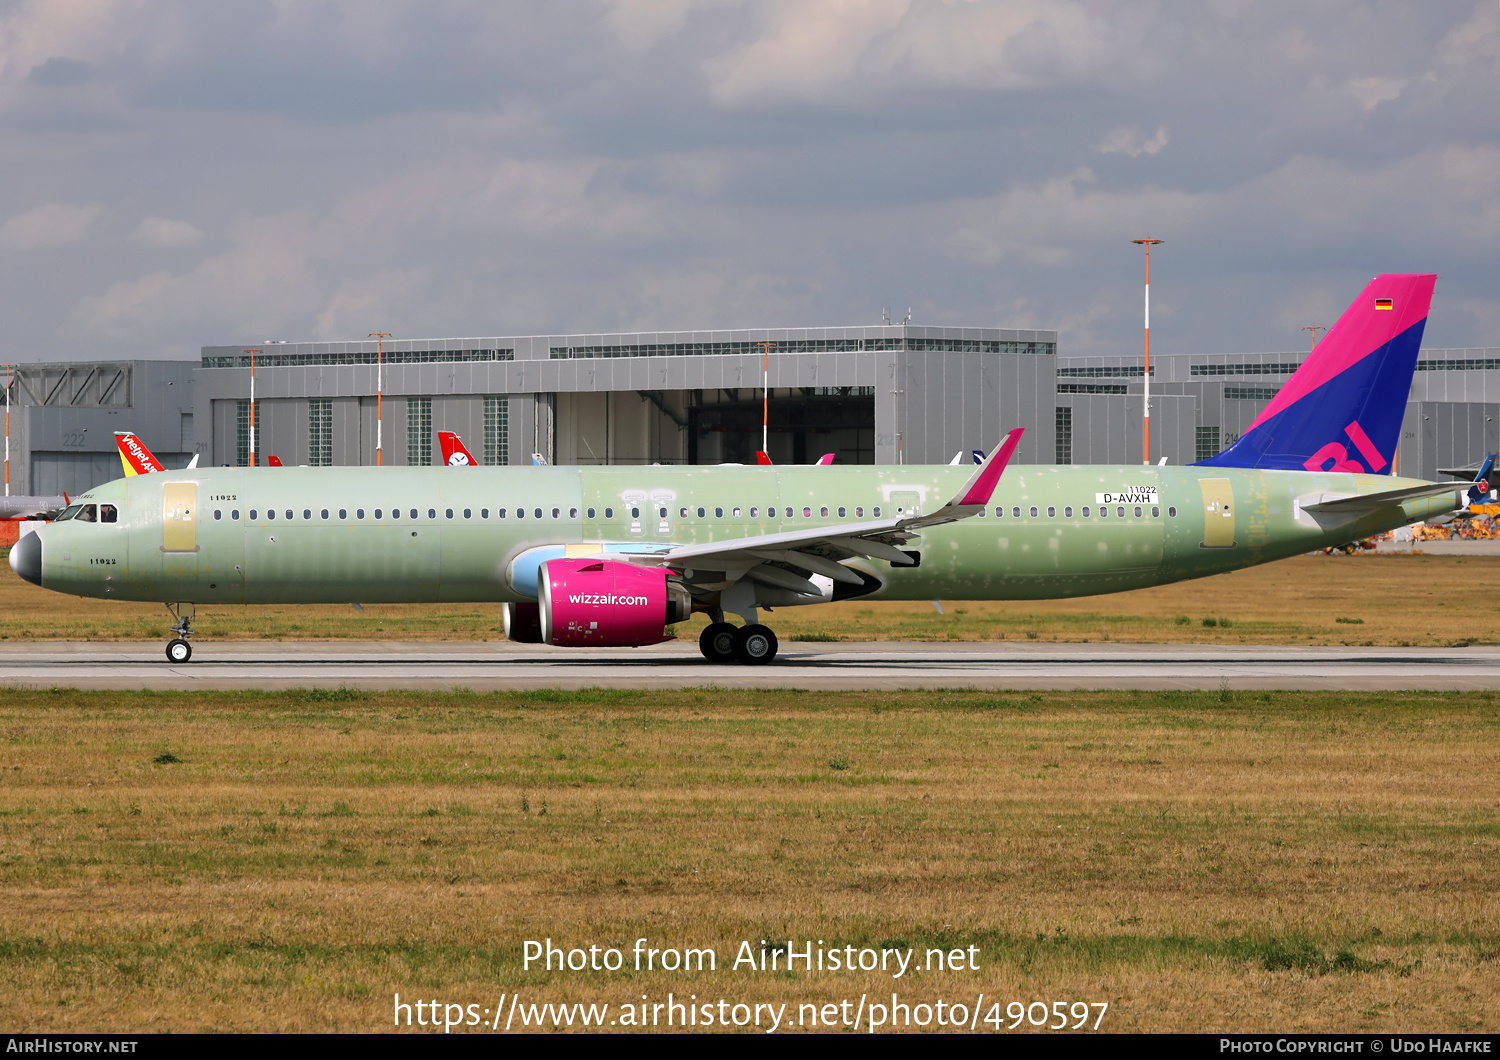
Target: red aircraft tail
454,453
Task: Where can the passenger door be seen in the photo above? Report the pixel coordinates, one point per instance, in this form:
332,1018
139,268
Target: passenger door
179,517
1218,513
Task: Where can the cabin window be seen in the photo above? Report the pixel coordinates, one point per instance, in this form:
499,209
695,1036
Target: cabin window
1103,512
573,513
359,513
270,513
235,515
218,515
1015,513
252,515
448,513
484,513
591,513
289,514
1172,512
999,512
859,512
323,514
377,513
556,512
520,513
395,513
1155,512
1085,511
682,513
1137,513
823,513
635,513
753,512
718,513
468,513
343,513
843,513
807,513
1119,513
1033,513
500,513
537,512
609,513
1068,512
1051,512
875,511
736,513
306,513
431,513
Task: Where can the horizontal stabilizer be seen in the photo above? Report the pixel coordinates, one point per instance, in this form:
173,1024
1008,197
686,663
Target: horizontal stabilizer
1371,502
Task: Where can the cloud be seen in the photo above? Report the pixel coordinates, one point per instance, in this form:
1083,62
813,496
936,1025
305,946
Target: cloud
61,72
1373,91
264,284
1127,140
55,224
163,232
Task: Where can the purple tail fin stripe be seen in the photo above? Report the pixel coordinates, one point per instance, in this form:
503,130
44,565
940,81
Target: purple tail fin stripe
1359,332
1349,396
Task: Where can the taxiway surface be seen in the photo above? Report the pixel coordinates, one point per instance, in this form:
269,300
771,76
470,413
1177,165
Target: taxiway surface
1002,665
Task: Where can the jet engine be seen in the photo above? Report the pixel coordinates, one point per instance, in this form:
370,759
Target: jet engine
523,623
607,604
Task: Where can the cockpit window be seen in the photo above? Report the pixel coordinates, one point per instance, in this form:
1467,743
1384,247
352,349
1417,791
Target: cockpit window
88,513
108,513
67,513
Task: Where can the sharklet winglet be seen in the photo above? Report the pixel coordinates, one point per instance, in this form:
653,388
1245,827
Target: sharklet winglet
981,485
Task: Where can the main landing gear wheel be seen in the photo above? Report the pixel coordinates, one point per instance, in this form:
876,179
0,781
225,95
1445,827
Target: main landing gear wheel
754,645
179,651
716,642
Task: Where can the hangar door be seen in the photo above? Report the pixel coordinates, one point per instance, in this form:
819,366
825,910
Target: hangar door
71,473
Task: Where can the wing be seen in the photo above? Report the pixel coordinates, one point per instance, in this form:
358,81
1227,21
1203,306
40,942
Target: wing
788,560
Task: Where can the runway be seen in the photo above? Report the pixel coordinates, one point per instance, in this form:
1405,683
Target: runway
489,666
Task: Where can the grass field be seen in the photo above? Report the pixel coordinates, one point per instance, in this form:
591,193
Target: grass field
1201,861
1366,600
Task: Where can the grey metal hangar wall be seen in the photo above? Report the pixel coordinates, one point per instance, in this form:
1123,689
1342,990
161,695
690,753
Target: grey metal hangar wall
63,417
881,394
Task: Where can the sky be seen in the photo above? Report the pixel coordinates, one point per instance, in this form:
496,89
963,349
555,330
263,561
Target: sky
181,174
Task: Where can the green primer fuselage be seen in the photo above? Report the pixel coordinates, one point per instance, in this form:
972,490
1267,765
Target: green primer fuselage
451,552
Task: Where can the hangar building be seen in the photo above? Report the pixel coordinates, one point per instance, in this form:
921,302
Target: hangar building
881,394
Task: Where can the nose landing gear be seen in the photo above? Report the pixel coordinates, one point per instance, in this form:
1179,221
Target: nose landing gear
178,648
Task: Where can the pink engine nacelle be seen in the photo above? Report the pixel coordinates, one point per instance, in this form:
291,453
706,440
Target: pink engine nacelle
607,604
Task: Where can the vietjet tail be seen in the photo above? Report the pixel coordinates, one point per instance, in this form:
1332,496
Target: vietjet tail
137,459
454,453
1341,411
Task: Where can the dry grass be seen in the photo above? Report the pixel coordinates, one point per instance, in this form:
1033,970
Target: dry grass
1245,861
1379,600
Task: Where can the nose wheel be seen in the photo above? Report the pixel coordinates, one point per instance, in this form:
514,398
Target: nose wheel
178,648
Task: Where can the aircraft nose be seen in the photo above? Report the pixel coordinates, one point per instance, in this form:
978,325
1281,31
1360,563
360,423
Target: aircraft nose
26,557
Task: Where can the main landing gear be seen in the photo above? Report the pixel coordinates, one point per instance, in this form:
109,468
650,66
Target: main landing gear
753,645
178,648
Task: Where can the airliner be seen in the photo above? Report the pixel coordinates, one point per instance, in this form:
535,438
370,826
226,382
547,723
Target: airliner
613,556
